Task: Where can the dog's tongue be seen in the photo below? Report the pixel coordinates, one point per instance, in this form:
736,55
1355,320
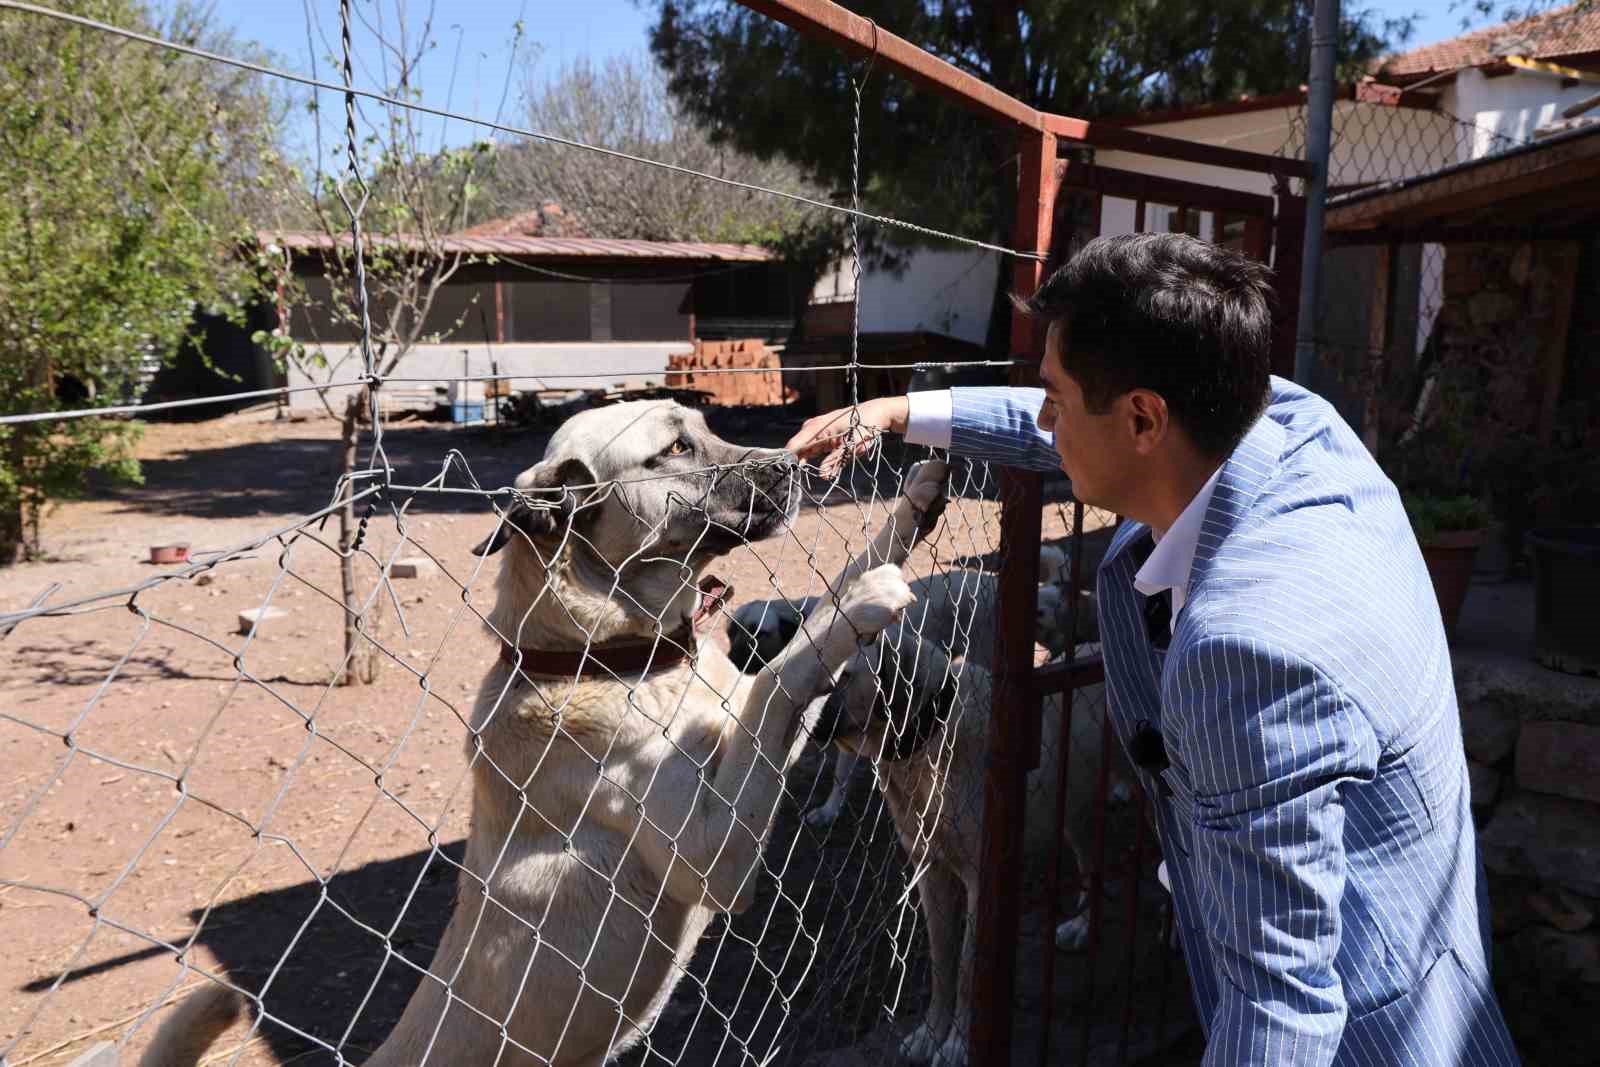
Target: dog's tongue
714,594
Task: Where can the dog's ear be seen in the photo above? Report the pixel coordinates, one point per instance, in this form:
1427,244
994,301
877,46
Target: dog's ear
550,476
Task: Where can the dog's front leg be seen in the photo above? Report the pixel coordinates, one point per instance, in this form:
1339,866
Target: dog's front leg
943,898
921,504
758,751
700,825
954,1051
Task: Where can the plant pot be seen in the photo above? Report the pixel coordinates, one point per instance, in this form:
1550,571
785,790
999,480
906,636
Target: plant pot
1449,557
1566,588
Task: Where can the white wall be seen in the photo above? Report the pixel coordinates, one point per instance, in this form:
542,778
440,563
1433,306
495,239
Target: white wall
1372,143
1512,106
536,366
946,291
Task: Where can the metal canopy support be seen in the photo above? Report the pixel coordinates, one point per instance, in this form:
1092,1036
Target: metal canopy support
856,35
1014,720
1319,135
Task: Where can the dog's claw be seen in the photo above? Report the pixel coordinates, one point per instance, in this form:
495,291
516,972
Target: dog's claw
921,1045
953,1053
1073,935
821,817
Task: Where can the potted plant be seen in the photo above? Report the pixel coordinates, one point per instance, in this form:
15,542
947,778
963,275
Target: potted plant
1450,530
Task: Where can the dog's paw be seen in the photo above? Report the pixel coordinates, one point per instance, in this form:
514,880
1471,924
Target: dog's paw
877,599
926,483
953,1053
822,817
921,1044
1073,935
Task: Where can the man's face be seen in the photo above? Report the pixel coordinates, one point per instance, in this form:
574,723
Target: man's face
1093,453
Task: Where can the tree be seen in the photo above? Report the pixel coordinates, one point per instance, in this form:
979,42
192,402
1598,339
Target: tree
122,172
624,105
767,90
409,201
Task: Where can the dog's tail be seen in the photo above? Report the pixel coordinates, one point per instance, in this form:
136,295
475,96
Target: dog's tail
193,1027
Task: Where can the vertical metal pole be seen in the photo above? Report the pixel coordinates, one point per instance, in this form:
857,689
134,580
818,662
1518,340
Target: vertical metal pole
1319,135
1014,720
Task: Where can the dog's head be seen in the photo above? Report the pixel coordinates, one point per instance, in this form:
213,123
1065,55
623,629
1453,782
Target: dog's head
890,698
759,630
649,480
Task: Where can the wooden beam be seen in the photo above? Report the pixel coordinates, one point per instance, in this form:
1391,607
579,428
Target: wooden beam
860,37
1105,135
1540,67
1553,345
1374,366
1135,185
1447,235
1538,168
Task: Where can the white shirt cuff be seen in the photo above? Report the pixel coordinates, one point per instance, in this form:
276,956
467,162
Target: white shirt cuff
928,418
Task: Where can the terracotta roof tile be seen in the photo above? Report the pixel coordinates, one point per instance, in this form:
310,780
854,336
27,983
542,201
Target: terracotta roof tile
1564,31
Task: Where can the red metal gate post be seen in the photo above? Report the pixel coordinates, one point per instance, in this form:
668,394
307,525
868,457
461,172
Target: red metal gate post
1014,719
1288,238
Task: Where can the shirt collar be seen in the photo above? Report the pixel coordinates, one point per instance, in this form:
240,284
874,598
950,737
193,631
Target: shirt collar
1173,556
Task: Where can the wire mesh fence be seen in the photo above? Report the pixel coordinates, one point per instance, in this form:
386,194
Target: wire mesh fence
564,826
1452,248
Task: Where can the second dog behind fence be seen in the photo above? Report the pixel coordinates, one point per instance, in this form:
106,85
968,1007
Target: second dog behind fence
956,609
922,719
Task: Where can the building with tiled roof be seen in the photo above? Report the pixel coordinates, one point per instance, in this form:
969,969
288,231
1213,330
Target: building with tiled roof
1567,36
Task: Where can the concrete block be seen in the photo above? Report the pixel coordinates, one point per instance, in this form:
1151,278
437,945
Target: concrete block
413,567
1551,838
1560,758
1489,728
251,616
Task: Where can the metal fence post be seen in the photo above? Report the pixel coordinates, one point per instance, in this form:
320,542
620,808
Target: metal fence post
1014,721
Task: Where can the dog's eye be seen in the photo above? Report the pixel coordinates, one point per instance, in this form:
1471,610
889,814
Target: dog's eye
680,447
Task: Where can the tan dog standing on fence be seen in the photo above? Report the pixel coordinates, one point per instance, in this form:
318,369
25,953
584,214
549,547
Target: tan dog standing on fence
614,817
922,719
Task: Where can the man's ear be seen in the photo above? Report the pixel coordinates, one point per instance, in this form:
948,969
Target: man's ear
539,522
1148,418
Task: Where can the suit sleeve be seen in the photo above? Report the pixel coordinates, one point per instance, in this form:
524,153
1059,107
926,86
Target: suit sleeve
1273,741
996,424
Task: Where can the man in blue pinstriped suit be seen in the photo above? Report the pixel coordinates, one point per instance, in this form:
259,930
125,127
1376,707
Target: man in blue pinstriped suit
1274,658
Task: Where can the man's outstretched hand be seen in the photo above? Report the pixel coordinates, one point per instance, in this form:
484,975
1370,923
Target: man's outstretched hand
835,436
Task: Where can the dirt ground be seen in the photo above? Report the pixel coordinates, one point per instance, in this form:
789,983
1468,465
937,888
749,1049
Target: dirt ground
213,782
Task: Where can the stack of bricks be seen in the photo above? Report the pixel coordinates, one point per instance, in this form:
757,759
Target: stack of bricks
730,389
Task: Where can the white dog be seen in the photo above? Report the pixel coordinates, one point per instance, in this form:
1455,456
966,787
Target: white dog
619,805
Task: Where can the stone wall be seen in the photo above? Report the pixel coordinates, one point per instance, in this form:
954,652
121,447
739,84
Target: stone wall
1533,744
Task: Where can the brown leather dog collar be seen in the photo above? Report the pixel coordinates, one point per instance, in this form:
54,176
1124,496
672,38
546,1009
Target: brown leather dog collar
622,660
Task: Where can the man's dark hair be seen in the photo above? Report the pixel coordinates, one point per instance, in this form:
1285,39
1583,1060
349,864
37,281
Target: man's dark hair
1167,312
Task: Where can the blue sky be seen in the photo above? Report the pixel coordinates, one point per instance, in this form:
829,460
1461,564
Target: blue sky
480,32
559,31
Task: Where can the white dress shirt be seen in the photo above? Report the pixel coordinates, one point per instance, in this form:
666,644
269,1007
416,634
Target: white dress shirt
1173,556
928,421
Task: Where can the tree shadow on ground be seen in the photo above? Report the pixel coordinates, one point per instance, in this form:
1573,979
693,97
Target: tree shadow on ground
317,949
296,474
